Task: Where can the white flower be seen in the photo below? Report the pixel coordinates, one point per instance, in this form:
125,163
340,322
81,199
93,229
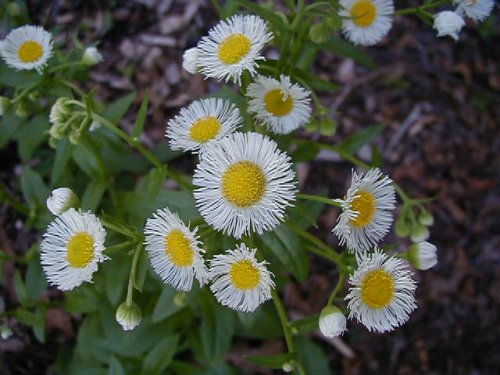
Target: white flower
27,47
244,184
92,56
366,211
448,23
201,122
422,255
190,60
332,322
128,316
280,105
382,293
232,46
174,250
239,281
366,22
62,199
71,248
476,10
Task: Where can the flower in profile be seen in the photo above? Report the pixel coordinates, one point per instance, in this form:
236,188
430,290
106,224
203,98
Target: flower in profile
448,23
61,200
174,250
27,47
422,255
281,105
239,281
366,211
201,122
71,248
232,46
190,60
382,292
332,323
476,10
244,184
128,315
366,22
92,56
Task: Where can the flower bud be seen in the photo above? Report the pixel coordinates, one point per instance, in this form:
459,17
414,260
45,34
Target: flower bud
5,332
422,255
4,105
288,367
190,60
426,218
92,56
402,228
332,322
419,233
129,316
448,23
180,299
61,200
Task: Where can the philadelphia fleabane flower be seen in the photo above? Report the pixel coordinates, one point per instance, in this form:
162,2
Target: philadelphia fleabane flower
366,22
239,281
201,122
27,47
476,10
280,105
366,211
382,292
61,200
332,323
448,23
174,250
71,248
232,46
190,60
422,255
244,184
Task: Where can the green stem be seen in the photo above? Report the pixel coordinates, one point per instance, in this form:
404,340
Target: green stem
131,278
66,65
337,289
9,199
316,198
420,8
118,247
71,86
313,249
218,8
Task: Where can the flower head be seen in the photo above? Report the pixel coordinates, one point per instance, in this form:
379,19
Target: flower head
128,316
27,47
448,23
281,105
422,255
366,22
174,250
202,122
61,200
382,293
232,46
366,211
332,322
92,56
71,248
244,184
190,60
239,281
476,10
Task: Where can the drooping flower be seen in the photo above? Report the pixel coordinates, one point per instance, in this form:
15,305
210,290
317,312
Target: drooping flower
61,200
422,255
476,10
332,323
128,315
448,23
92,56
190,60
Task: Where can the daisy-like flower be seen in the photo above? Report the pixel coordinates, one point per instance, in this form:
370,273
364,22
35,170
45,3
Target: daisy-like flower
71,248
382,293
239,281
476,10
448,23
280,105
232,46
366,22
332,322
244,184
366,211
174,250
422,255
27,47
201,122
61,200
190,60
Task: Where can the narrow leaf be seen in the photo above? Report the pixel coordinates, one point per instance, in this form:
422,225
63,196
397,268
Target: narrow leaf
141,116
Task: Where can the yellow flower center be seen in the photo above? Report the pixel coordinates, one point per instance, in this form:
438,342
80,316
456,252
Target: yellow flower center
178,248
377,289
363,13
243,184
205,129
80,250
30,51
244,275
364,205
234,48
278,102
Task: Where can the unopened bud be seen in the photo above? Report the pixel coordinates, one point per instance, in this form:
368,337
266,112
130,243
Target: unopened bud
61,200
422,255
419,233
129,316
92,56
332,322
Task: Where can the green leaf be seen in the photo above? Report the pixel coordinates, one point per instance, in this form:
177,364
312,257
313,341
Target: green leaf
165,305
9,124
20,288
150,186
31,134
141,116
320,32
87,160
286,245
346,49
305,151
312,356
36,283
354,143
267,14
313,81
116,110
12,78
93,194
35,320
63,155
81,300
305,213
115,367
116,275
376,157
275,361
160,356
306,325
34,189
